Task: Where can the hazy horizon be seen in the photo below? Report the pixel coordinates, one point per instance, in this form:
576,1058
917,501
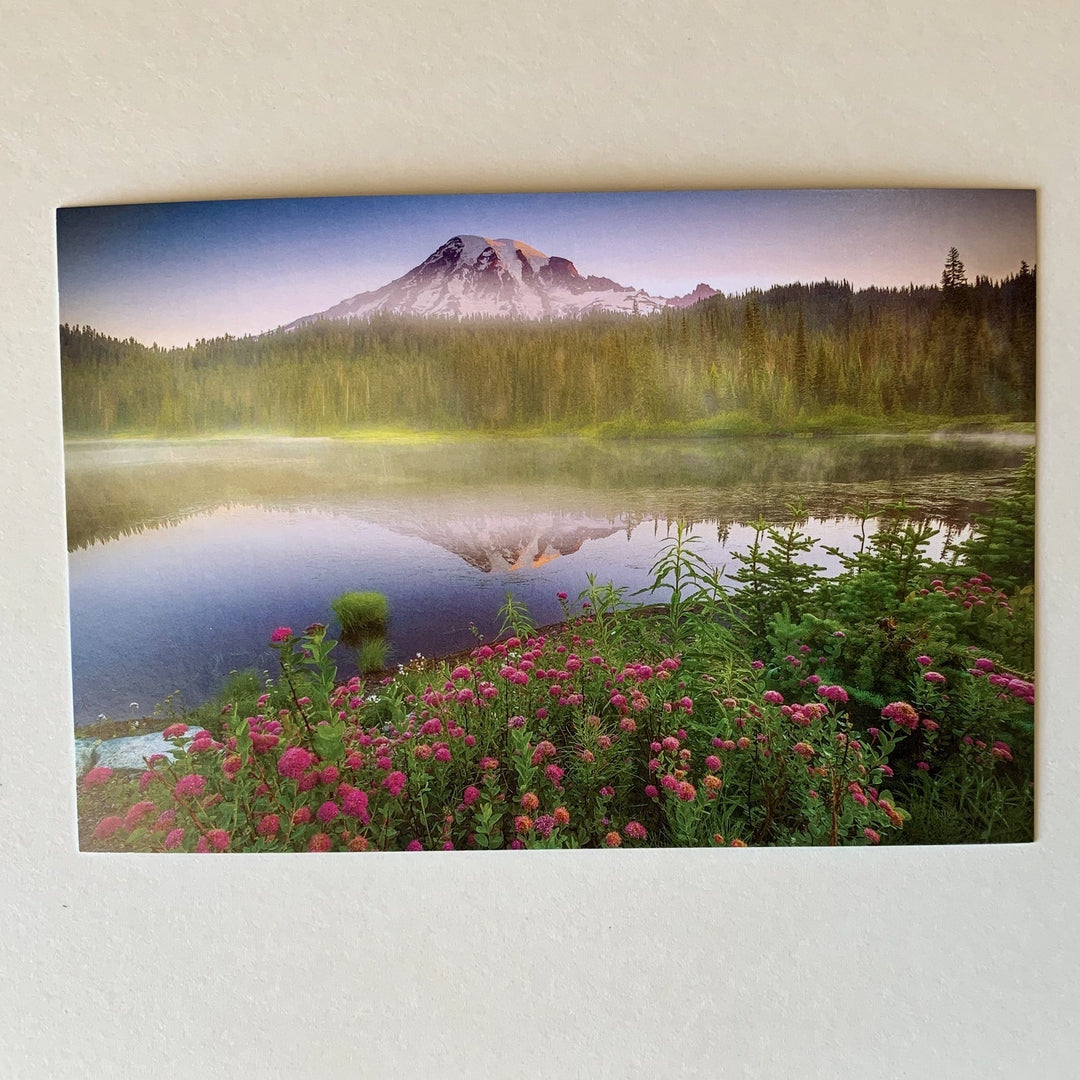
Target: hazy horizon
171,273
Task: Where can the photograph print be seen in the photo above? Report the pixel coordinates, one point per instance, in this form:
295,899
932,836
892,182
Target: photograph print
598,520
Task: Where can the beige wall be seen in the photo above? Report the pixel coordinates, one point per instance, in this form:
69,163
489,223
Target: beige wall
921,963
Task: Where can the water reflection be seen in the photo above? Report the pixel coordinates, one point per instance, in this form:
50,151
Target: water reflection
185,555
115,489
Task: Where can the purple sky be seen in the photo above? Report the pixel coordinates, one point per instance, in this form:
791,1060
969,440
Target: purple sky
174,272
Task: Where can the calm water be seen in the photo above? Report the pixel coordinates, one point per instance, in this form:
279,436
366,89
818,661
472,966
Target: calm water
186,554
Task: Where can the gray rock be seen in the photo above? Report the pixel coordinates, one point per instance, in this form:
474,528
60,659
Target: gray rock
128,752
84,755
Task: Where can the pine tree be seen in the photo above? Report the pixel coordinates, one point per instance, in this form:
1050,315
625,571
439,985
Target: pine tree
954,282
801,360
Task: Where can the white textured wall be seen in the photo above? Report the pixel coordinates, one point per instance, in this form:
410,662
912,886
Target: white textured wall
882,963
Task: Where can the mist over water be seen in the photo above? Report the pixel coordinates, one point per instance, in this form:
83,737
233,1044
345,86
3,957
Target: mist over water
185,554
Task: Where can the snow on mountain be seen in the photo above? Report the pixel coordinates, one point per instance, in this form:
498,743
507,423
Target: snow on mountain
475,275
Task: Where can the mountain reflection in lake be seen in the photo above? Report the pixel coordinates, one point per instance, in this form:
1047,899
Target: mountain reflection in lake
186,554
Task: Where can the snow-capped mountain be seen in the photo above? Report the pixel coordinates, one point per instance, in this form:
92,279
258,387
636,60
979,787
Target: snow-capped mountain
508,543
474,275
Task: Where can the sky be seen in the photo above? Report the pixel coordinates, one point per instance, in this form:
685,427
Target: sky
171,273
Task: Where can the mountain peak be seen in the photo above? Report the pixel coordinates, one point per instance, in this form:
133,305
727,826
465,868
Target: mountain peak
472,275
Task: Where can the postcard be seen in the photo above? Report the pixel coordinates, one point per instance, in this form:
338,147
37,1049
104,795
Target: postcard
605,520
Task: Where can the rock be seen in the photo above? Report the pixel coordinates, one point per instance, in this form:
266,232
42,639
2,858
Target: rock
128,752
84,756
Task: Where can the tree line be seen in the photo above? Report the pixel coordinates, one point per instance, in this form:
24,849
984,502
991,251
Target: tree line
793,351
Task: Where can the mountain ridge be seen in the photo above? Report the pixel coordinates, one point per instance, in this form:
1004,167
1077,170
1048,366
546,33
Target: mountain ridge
471,275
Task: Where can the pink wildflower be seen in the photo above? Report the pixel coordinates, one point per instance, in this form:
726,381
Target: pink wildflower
173,839
872,835
686,791
613,839
933,676
218,838
924,661
635,830
320,842
395,782
327,812
108,827
833,693
190,784
294,762
902,714
282,633
354,803
544,750
773,697
651,791
97,776
136,813
174,731
268,825
544,825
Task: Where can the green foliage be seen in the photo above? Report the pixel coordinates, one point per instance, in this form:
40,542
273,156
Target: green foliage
361,613
371,655
1004,542
773,577
515,617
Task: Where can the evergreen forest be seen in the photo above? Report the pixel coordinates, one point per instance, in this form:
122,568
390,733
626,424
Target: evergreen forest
821,354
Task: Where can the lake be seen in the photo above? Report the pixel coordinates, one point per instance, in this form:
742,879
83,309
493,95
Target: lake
185,554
